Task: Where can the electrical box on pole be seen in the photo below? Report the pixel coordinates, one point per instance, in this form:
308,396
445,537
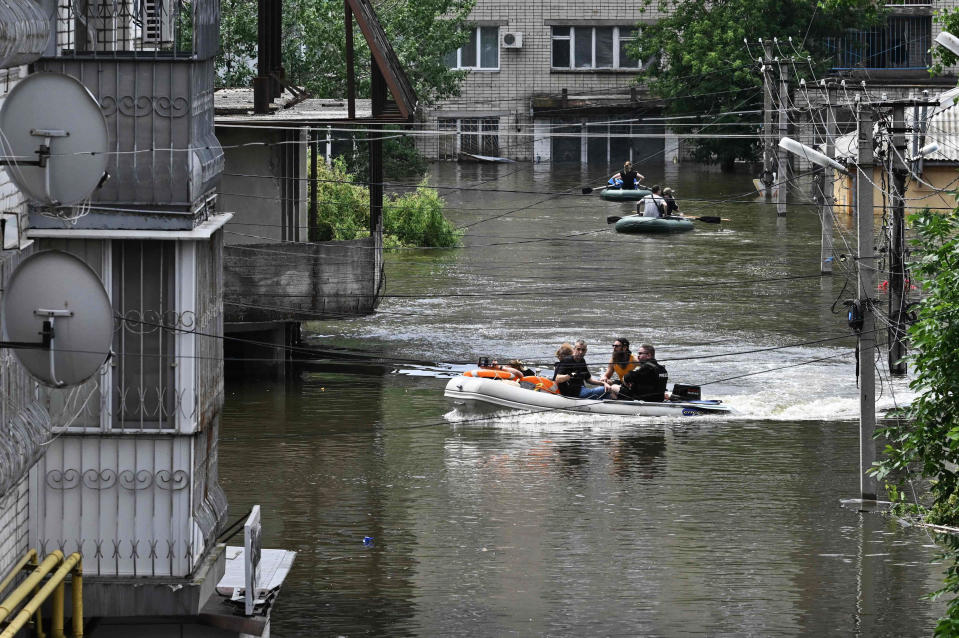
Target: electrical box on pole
866,268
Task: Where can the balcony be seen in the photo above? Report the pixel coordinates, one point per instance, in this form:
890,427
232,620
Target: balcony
901,45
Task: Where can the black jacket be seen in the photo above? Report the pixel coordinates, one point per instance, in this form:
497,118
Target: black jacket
646,382
579,371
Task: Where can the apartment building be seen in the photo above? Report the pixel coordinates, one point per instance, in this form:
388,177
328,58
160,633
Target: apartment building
549,81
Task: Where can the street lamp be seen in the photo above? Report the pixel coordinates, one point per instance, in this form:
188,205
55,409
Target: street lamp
928,149
951,42
810,154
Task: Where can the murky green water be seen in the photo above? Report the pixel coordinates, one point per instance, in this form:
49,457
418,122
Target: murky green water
579,525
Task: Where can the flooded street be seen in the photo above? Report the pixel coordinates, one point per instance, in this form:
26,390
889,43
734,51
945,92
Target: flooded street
573,525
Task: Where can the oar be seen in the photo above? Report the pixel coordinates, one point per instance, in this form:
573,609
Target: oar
589,189
708,219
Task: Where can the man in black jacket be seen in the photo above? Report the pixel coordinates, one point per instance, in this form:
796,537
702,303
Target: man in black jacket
648,380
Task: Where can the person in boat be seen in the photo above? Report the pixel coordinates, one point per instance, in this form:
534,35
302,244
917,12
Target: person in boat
648,380
522,368
627,179
653,205
671,205
622,361
515,367
572,374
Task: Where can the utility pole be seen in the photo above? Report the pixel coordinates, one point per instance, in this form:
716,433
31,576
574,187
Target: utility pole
768,148
826,190
866,268
783,132
897,278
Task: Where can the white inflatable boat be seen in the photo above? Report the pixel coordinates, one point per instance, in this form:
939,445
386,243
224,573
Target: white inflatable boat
472,394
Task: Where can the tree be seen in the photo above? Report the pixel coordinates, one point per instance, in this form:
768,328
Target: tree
699,61
923,445
314,44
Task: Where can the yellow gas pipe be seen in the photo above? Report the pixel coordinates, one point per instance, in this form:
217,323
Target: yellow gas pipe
73,563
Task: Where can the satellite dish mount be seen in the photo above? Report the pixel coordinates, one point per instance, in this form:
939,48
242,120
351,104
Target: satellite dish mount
43,156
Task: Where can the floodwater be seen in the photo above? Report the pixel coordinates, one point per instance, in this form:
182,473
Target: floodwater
575,525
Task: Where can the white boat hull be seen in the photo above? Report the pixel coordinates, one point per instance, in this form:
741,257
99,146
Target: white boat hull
485,395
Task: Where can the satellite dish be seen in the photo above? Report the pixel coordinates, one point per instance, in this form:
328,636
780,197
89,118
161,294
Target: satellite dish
57,288
55,136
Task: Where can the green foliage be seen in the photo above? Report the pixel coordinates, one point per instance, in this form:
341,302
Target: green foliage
412,219
926,446
416,219
698,60
401,158
314,44
343,208
236,63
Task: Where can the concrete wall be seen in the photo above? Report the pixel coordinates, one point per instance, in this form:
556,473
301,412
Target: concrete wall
264,184
936,191
298,281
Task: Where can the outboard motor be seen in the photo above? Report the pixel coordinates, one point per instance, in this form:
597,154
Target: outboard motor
682,392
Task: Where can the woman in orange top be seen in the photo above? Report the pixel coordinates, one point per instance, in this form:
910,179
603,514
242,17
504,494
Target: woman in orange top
622,361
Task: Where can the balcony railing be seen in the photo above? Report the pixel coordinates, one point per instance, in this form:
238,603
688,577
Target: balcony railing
902,43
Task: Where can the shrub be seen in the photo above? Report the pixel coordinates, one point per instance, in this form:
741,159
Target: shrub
412,219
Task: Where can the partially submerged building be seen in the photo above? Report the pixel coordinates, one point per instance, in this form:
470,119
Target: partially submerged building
550,81
122,470
277,274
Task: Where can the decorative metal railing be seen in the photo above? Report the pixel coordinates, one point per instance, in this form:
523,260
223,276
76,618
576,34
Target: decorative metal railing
160,28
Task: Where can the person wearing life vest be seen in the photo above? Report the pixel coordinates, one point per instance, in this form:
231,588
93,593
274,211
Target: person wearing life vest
627,179
648,380
622,361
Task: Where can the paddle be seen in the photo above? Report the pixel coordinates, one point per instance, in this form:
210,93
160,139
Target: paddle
589,189
708,219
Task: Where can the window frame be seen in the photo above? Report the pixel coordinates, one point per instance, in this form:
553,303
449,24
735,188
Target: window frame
479,135
477,36
621,34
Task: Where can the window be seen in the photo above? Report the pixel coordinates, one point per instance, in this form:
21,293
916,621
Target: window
593,48
903,42
481,52
474,136
143,286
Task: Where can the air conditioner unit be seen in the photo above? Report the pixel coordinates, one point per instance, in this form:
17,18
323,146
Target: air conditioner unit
159,18
512,40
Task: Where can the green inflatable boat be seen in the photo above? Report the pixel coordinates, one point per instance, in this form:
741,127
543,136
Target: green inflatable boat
627,195
636,224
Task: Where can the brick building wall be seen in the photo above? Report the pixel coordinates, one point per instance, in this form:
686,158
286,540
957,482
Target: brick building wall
16,388
502,95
